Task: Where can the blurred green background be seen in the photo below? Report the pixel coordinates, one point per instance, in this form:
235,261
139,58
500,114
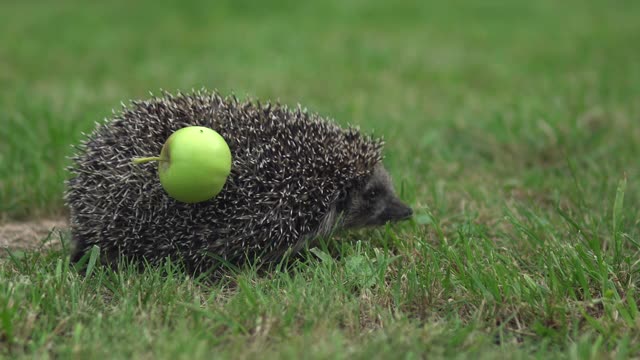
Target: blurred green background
512,128
475,95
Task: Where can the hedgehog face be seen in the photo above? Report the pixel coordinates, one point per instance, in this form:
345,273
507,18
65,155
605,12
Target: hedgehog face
375,203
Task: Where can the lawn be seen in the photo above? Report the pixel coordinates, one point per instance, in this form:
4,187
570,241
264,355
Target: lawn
512,128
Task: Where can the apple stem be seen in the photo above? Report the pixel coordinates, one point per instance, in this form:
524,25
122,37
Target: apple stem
147,159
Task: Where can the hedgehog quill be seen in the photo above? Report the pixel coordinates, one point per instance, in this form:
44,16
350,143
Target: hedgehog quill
295,177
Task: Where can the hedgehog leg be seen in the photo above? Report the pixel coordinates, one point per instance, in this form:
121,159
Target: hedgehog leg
79,249
77,254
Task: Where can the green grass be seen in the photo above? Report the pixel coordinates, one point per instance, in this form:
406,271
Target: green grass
513,128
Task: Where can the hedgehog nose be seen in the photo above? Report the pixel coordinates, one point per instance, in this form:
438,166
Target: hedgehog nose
406,213
400,211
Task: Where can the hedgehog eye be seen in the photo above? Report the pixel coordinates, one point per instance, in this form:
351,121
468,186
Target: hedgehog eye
371,194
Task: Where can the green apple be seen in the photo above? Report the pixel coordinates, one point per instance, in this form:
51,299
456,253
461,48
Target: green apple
193,165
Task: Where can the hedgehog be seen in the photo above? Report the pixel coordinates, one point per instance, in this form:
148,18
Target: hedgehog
296,177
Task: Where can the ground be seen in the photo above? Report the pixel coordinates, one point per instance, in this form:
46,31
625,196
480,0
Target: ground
512,128
30,234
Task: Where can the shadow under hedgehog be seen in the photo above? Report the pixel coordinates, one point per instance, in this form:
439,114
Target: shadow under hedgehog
295,177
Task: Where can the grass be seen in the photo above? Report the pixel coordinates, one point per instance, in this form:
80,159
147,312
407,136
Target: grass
513,128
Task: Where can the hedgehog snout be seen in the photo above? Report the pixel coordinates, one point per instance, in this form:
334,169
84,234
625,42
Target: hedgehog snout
396,210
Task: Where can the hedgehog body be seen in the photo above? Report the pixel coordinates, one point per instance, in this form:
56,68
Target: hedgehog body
290,170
